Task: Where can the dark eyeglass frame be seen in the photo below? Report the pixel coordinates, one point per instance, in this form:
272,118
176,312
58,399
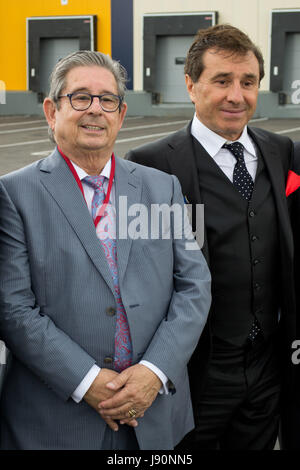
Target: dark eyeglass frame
70,95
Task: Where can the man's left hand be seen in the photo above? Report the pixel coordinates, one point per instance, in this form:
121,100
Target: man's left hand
136,387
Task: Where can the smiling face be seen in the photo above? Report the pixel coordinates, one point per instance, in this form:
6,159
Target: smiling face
91,132
225,94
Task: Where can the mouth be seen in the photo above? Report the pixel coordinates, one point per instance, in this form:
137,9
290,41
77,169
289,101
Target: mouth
92,128
233,112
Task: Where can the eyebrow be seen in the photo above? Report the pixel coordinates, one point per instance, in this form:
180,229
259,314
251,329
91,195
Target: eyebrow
248,76
85,90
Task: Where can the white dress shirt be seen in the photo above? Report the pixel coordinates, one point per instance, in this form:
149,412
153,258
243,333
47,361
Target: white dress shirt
213,143
87,381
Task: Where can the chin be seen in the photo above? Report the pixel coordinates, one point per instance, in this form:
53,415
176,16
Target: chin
92,145
234,131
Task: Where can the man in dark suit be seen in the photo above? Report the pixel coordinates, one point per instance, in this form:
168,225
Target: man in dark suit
289,435
235,372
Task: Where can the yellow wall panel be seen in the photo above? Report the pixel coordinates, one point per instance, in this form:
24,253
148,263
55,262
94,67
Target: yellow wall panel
13,16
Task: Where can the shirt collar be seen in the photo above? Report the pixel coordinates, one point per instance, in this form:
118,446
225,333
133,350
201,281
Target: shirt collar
213,142
82,174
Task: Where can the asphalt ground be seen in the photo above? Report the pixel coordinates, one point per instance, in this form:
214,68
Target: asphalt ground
24,139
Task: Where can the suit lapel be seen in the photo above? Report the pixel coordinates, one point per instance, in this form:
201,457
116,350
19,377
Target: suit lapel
275,169
182,164
128,188
60,183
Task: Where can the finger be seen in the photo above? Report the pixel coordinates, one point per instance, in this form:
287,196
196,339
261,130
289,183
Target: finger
118,382
120,413
130,422
111,423
118,400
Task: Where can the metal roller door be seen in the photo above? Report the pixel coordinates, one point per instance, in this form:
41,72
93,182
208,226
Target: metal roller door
291,63
170,60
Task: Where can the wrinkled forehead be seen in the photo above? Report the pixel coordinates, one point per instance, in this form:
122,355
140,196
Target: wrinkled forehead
87,77
218,60
227,55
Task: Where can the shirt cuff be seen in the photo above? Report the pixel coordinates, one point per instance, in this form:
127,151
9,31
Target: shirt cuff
85,384
160,375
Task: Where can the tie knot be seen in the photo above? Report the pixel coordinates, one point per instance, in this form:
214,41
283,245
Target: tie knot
96,182
237,149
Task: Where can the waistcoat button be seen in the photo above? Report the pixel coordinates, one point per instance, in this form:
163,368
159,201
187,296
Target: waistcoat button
110,311
108,360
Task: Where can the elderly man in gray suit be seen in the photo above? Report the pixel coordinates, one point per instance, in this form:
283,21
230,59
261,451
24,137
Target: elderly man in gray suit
100,319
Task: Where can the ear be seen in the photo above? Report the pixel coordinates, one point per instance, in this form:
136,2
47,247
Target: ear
50,112
190,87
122,114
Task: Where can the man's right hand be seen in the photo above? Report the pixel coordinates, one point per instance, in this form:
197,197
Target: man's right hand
99,392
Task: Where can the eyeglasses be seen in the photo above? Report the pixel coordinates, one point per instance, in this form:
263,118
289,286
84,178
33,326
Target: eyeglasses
81,101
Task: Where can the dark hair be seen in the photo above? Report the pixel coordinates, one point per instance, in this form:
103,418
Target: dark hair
223,37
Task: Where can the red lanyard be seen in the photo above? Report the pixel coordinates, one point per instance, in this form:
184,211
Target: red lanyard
78,181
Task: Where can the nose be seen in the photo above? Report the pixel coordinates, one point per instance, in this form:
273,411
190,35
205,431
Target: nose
95,107
235,93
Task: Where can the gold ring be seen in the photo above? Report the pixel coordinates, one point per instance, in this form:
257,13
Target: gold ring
132,413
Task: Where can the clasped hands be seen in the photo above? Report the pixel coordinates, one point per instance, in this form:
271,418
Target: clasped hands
113,395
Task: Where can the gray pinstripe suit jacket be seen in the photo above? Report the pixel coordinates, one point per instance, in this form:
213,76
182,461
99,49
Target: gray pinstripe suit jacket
55,287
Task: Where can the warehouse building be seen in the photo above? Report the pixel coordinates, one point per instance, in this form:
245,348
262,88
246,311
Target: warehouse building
151,39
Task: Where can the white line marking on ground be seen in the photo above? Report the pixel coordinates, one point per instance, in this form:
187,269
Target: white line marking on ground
295,129
21,122
13,131
18,144
259,119
44,153
134,117
149,126
142,137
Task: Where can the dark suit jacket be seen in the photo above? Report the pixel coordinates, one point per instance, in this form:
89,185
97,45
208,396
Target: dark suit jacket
295,219
174,154
289,435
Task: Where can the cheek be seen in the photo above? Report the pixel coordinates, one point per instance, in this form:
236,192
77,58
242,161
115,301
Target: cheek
252,99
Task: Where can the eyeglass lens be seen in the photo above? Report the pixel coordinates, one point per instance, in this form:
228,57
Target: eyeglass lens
82,101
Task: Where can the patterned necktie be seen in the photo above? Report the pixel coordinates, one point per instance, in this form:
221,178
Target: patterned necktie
244,183
241,178
123,345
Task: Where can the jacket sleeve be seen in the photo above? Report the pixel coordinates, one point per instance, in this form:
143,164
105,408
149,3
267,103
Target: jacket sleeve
30,335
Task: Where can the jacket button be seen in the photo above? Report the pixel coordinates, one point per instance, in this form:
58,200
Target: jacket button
257,286
251,214
254,238
108,360
255,262
110,311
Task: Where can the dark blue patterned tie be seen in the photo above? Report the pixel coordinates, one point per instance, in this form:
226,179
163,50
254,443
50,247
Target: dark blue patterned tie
241,177
244,184
123,345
